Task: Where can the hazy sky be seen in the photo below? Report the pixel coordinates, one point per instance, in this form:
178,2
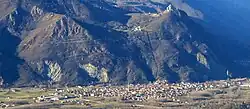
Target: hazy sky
230,15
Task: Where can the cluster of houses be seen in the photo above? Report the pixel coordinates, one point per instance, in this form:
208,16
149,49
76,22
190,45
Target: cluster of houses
4,105
157,90
59,95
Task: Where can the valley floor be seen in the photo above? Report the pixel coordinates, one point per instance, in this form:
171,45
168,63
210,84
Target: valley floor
225,94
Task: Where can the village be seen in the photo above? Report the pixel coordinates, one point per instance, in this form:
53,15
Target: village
161,91
156,91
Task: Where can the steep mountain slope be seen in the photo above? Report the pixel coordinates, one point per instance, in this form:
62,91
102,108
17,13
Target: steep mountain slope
73,42
179,51
228,20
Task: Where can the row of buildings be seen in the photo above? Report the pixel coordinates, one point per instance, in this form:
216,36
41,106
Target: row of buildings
153,91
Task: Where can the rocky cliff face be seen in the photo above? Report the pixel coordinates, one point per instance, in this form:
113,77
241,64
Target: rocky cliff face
80,42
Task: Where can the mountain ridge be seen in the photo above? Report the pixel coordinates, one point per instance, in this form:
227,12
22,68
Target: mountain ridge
83,46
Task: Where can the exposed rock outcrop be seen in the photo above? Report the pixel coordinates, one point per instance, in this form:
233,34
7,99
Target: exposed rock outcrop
54,71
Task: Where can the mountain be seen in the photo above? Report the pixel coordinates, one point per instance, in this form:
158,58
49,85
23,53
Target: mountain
228,21
96,41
